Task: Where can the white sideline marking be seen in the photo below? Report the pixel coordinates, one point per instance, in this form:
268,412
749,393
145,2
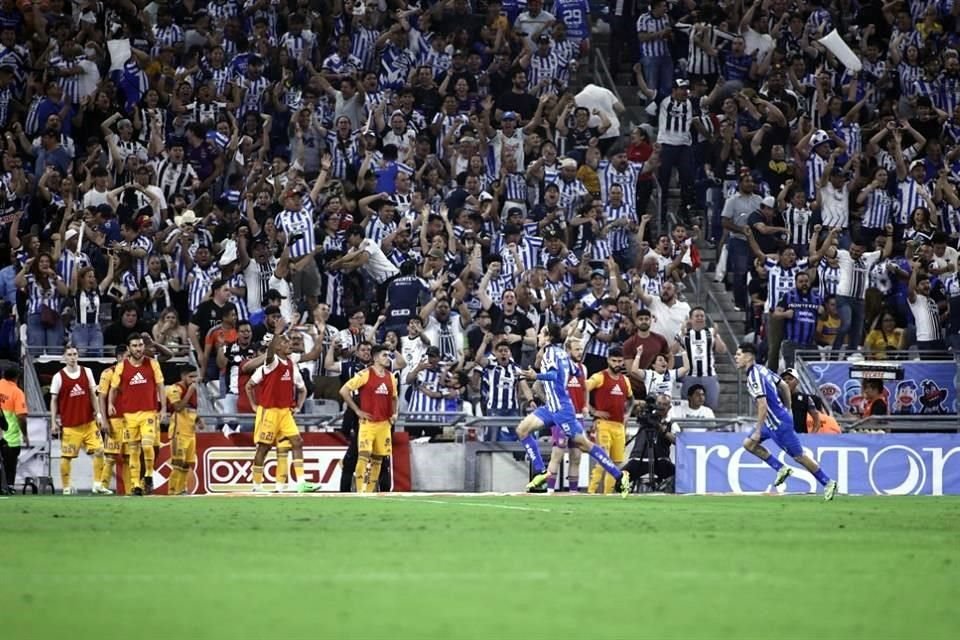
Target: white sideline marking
283,578
488,505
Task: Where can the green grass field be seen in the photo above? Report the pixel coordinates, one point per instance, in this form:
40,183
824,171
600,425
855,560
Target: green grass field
479,567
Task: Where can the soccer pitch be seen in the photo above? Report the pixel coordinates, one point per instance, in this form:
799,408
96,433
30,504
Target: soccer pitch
488,567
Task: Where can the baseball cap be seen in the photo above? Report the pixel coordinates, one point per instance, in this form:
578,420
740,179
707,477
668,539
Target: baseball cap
681,83
790,372
509,115
769,201
916,163
273,294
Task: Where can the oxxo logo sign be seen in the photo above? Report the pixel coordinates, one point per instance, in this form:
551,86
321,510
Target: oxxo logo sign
868,464
230,469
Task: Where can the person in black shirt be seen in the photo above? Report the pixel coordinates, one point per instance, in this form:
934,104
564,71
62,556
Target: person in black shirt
129,323
802,404
404,294
510,321
517,99
209,313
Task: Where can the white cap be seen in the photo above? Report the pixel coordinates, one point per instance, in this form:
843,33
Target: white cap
71,233
769,201
188,217
229,253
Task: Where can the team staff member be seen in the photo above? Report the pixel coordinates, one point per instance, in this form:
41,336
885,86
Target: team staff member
114,451
136,389
280,391
73,399
377,410
13,423
612,401
182,404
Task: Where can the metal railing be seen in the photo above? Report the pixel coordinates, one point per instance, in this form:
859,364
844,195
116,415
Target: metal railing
730,337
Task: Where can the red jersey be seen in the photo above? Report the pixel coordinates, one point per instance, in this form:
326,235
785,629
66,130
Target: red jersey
610,394
136,386
74,403
377,393
277,384
576,389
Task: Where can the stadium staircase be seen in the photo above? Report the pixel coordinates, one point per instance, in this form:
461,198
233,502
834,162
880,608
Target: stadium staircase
700,287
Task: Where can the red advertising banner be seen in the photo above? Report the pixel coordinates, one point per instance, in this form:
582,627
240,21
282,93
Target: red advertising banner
225,464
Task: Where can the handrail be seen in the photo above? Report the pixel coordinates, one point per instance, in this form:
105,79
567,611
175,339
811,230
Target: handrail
734,341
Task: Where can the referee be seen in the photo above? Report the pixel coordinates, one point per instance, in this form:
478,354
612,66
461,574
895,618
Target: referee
678,117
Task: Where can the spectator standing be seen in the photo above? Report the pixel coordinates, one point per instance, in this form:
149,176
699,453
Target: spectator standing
735,217
855,267
654,33
798,309
702,345
679,116
924,309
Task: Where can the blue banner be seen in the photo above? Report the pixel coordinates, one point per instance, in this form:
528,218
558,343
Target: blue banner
866,464
923,388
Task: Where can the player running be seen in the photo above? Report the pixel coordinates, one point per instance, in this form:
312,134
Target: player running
182,404
377,410
73,399
775,420
557,365
136,389
560,443
280,391
114,451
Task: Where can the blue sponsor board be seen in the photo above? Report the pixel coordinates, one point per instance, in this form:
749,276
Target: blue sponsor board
910,388
899,464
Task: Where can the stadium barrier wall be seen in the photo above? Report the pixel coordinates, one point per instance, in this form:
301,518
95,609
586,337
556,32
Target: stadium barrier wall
865,464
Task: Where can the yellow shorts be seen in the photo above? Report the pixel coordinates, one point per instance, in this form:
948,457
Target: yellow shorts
612,436
374,438
141,427
114,444
185,449
86,437
273,424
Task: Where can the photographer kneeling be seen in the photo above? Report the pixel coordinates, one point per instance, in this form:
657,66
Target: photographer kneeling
649,463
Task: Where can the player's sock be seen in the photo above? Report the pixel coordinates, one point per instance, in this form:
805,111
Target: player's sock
65,472
258,474
573,484
596,479
603,458
533,452
106,475
298,472
374,482
361,474
149,457
125,473
177,481
98,469
552,483
133,458
773,462
283,468
821,477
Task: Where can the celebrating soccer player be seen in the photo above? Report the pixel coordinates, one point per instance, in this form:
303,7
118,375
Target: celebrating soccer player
377,410
182,400
114,451
280,391
775,420
73,399
557,366
611,404
136,389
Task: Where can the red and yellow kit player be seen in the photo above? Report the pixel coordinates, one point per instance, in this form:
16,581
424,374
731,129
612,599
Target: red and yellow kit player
612,395
74,408
377,392
182,406
276,390
136,390
114,450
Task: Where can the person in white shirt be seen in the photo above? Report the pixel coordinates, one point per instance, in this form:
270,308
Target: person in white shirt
670,313
833,199
924,310
693,409
364,253
855,266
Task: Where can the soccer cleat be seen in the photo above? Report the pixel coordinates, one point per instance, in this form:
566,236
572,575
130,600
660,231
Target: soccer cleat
257,488
624,483
782,475
830,490
99,489
538,480
137,491
305,487
68,491
147,485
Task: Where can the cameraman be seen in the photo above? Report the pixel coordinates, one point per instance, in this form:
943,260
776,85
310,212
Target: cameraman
651,446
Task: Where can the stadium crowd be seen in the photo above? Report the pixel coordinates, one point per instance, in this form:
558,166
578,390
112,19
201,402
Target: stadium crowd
431,176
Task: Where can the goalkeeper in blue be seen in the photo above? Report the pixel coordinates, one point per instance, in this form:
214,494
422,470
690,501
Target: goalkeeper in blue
557,366
775,421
